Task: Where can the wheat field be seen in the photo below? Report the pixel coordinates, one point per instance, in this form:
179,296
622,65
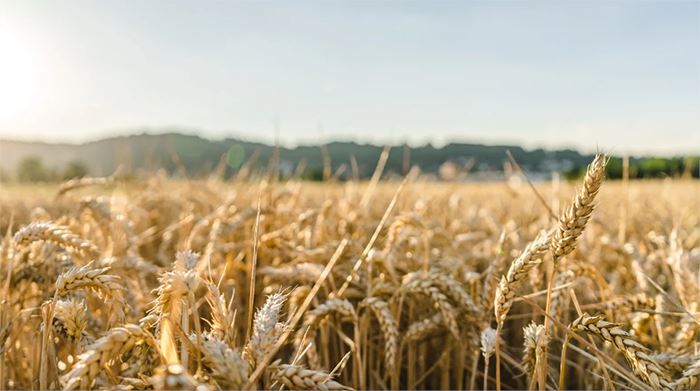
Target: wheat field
159,283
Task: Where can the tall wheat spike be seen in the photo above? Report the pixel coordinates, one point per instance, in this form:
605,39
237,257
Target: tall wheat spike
574,219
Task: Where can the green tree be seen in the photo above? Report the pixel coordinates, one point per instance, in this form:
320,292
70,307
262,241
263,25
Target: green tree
74,169
31,169
313,174
691,167
614,168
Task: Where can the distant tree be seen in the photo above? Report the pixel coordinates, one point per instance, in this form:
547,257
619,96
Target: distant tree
691,167
31,169
313,174
574,174
614,168
75,169
655,167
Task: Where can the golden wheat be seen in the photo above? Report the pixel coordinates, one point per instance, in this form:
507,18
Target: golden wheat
111,292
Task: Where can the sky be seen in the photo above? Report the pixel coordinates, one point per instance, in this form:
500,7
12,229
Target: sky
623,76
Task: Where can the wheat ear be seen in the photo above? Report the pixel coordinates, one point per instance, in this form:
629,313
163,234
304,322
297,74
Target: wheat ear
306,272
534,341
56,234
573,221
422,328
72,317
175,287
689,378
489,337
78,183
389,327
174,377
227,366
518,271
105,350
635,353
314,317
426,287
266,328
106,286
672,361
221,317
632,302
295,377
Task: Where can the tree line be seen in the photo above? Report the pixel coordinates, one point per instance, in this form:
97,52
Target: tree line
647,168
32,169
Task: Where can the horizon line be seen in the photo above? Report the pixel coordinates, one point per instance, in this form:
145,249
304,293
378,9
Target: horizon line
234,135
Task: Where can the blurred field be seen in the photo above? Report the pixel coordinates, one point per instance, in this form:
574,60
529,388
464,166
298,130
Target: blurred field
407,308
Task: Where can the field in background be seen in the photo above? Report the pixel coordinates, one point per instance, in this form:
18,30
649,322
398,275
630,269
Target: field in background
400,294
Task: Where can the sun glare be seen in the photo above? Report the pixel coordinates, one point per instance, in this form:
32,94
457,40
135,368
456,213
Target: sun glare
20,68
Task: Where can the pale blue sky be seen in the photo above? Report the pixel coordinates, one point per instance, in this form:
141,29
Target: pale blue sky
617,75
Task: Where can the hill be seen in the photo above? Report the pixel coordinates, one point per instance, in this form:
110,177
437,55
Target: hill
198,156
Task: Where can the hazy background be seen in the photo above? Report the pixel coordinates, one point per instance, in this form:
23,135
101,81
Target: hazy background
618,75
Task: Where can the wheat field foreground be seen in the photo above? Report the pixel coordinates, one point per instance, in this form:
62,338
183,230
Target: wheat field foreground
171,284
